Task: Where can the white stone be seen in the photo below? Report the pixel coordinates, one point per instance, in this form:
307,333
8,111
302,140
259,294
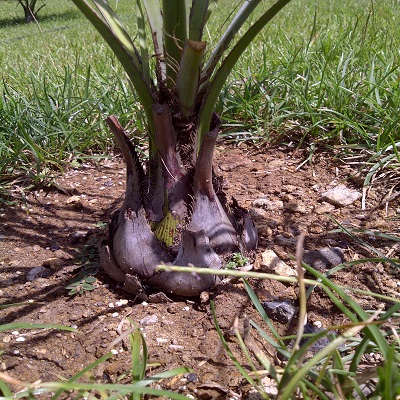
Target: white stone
341,196
274,264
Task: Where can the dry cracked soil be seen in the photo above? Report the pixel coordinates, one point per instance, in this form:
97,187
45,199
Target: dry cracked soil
48,239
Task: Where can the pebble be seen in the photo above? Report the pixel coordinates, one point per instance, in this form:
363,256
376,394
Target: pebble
281,310
340,196
192,377
319,344
120,303
6,339
20,339
274,264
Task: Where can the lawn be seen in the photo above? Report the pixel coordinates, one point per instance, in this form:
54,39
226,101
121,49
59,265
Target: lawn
329,78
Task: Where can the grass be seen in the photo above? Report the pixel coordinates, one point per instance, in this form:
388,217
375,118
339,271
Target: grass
329,78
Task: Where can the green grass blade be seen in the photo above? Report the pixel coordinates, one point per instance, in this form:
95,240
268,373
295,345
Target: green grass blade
138,363
27,325
5,390
3,306
289,386
164,375
356,313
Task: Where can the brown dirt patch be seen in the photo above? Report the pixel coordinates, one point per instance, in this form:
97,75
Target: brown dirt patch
58,232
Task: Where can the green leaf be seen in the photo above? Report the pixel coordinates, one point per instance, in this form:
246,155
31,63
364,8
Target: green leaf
189,74
197,20
240,18
156,23
144,52
229,62
175,35
110,28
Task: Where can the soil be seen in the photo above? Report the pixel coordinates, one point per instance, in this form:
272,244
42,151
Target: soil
57,230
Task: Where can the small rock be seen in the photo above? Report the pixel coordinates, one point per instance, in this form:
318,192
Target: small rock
281,310
6,339
273,263
192,377
54,247
341,196
319,344
122,302
73,199
269,386
35,273
324,258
